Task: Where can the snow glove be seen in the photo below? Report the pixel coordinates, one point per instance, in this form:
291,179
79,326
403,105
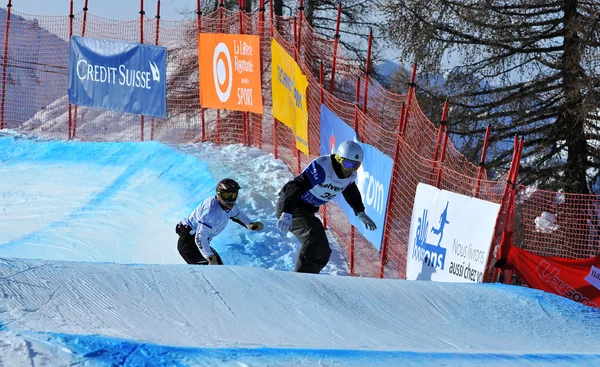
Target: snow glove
212,260
284,222
366,220
256,226
182,229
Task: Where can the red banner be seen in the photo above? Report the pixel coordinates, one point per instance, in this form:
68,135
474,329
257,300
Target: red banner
578,280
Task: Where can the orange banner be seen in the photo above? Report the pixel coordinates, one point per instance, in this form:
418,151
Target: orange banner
230,72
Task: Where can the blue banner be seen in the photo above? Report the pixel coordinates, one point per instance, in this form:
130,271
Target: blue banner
374,175
119,76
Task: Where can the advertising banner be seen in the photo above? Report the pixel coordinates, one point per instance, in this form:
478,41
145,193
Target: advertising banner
450,236
289,94
374,175
575,279
230,76
119,76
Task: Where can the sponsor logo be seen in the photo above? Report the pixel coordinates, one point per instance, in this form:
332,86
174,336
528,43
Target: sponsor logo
222,72
549,274
331,187
430,255
120,75
372,190
155,71
594,277
289,84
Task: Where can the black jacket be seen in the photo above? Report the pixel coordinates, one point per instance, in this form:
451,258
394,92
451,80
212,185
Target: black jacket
292,191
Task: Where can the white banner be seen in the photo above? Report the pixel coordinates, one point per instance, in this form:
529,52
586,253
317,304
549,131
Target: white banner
450,236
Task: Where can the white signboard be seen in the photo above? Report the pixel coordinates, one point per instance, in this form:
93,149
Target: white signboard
450,236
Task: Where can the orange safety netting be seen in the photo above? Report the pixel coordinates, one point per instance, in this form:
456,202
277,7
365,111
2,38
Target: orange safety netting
32,103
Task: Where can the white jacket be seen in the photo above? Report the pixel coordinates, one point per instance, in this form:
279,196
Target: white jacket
208,220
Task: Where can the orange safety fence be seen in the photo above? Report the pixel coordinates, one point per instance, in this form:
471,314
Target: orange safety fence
33,101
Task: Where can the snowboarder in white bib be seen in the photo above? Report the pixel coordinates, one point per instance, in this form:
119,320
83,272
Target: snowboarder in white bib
208,220
299,199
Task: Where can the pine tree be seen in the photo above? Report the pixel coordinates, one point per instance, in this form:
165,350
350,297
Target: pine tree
527,68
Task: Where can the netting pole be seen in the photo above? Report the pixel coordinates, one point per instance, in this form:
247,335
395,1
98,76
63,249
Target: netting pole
367,72
261,35
503,209
272,33
438,181
482,161
411,92
441,131
390,199
322,101
351,250
73,131
296,51
71,16
356,103
157,17
300,17
218,127
244,114
142,12
335,47
508,230
507,235
355,127
199,27
9,6
83,24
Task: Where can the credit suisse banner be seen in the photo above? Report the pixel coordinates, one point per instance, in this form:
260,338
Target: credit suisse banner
450,236
578,280
230,72
119,76
374,175
289,94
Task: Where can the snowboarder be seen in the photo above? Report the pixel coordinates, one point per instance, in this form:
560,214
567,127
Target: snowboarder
208,220
299,199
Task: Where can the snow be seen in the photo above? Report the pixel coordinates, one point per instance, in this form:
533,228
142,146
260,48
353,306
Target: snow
90,275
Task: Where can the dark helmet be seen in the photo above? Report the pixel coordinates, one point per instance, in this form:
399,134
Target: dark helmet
227,192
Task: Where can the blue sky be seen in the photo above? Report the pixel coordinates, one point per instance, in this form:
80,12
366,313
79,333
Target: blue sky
111,9
90,275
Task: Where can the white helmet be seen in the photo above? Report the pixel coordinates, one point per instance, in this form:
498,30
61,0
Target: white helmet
351,151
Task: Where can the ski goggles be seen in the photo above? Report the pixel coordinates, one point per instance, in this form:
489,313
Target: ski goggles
228,195
348,164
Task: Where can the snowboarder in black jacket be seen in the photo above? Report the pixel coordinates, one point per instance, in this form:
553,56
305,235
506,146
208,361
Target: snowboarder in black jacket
299,199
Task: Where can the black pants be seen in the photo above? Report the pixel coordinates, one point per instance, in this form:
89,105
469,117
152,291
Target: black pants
191,253
308,229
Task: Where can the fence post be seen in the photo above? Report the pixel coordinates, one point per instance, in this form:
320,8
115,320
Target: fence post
322,101
142,12
336,42
272,31
73,131
5,65
441,131
438,181
71,16
245,127
199,29
300,17
409,97
367,72
296,52
504,208
261,34
387,221
157,17
482,160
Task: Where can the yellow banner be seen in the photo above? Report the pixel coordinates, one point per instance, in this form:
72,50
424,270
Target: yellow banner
289,94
